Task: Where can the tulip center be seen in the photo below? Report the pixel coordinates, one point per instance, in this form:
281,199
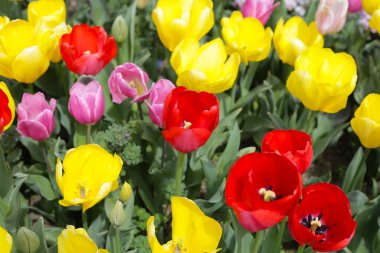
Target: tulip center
82,191
187,124
87,52
267,194
315,224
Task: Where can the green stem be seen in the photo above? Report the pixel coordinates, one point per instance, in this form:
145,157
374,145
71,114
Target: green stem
44,155
179,172
140,111
280,235
117,237
258,240
88,134
84,220
31,88
310,120
300,249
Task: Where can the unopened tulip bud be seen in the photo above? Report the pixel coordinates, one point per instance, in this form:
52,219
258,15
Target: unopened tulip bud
117,216
141,4
126,192
27,240
120,29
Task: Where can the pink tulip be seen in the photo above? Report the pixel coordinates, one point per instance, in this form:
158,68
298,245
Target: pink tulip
354,5
128,81
86,103
35,116
331,15
260,9
157,96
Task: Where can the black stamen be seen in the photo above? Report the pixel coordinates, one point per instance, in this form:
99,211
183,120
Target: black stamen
321,230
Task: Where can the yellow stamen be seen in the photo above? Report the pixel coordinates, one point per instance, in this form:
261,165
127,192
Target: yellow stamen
82,192
267,195
187,125
315,224
87,52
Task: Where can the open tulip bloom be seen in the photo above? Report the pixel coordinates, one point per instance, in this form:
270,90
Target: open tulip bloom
323,218
262,188
7,108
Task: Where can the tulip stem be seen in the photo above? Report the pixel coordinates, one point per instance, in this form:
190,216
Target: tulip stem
88,134
300,249
280,235
84,220
179,172
258,240
31,88
117,237
140,111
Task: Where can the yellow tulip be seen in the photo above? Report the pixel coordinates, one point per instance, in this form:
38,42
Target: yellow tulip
90,174
323,80
374,22
366,123
4,20
237,33
192,230
206,67
10,105
6,241
370,5
178,19
51,10
73,240
292,38
49,17
21,56
49,34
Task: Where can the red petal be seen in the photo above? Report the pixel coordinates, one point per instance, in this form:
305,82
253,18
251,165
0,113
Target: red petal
186,140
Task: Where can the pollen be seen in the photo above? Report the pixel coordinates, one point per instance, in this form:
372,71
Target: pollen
267,194
187,124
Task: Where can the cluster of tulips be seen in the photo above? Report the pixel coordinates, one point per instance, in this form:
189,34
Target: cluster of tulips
263,188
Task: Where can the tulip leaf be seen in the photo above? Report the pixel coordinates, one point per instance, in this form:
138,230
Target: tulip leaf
33,149
38,228
98,12
80,134
310,15
6,178
247,99
366,227
353,180
42,185
243,237
230,153
357,200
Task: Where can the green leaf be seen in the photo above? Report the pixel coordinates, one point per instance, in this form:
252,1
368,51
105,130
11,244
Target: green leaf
353,180
80,134
42,185
38,228
243,237
357,200
98,12
33,148
230,153
6,178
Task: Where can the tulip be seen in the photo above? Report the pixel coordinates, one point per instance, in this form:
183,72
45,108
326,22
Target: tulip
370,6
354,6
323,80
262,188
120,29
90,174
157,96
87,50
27,241
322,219
4,20
176,20
25,60
294,37
7,108
36,116
260,9
331,15
86,102
141,4
366,123
192,230
73,240
6,241
189,118
53,10
236,32
125,192
204,68
374,22
292,144
128,81
117,216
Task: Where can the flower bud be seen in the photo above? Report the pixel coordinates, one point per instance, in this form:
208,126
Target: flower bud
117,216
126,192
27,240
141,4
120,29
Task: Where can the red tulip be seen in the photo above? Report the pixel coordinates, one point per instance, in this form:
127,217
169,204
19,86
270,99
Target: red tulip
263,188
6,116
323,218
294,145
189,118
86,50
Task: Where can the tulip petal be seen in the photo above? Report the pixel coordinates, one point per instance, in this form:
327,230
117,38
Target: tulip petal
155,246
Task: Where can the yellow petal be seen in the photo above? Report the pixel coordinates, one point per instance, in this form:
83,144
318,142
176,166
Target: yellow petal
210,55
104,190
374,22
6,241
370,5
59,175
46,9
155,246
4,20
11,103
183,54
30,64
73,240
367,130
